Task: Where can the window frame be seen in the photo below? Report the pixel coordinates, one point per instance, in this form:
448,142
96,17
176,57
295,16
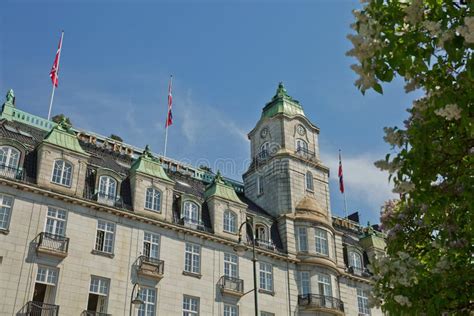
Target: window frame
231,307
102,283
230,217
105,234
185,211
259,227
190,256
56,220
8,157
321,242
300,238
304,148
153,201
350,259
107,185
189,311
155,241
302,280
363,302
324,284
309,181
144,294
231,265
6,211
62,173
264,150
260,186
48,273
265,277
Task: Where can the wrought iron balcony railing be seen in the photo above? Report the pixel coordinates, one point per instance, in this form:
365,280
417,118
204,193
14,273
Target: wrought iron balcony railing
52,244
111,200
93,313
11,172
41,309
267,244
150,267
232,286
359,271
305,153
320,301
192,223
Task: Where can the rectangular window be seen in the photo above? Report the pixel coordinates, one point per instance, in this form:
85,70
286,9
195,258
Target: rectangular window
148,296
47,275
266,276
190,306
192,261
98,295
104,241
151,245
231,265
324,283
55,222
260,184
45,285
363,302
231,310
302,239
6,203
321,237
304,282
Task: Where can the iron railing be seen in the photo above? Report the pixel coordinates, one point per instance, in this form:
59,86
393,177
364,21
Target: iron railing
267,244
10,172
323,301
263,155
359,271
232,284
192,223
93,313
305,153
151,264
111,200
41,309
53,242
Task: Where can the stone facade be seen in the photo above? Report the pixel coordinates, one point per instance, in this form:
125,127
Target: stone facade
171,234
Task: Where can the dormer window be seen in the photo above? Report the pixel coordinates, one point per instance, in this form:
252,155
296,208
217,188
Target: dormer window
301,146
355,261
107,187
191,212
62,173
153,199
230,222
261,232
309,181
9,158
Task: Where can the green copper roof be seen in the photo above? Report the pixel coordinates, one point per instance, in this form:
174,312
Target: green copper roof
282,103
148,165
219,188
61,135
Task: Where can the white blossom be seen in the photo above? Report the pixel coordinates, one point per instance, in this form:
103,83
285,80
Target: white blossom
402,300
467,30
450,112
445,36
434,28
366,79
414,12
404,187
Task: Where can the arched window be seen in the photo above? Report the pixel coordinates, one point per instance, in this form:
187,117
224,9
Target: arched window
230,221
191,211
153,199
107,187
301,145
355,260
309,181
62,173
9,157
264,150
261,232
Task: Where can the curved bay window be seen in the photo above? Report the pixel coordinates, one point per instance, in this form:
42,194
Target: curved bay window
107,187
230,222
62,173
191,212
153,199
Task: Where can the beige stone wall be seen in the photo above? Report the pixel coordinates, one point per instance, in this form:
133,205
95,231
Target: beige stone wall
217,207
47,154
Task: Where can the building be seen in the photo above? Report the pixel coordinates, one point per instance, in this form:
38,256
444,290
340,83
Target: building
89,223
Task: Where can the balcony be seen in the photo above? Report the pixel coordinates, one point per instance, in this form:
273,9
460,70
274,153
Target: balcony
194,224
150,267
266,244
110,200
363,272
92,313
53,245
305,153
231,286
10,172
321,303
41,309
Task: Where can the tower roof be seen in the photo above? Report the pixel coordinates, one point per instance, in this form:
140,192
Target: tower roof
282,103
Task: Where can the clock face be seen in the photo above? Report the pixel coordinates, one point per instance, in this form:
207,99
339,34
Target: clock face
264,132
301,130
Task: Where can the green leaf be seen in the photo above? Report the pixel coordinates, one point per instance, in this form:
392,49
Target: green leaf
378,88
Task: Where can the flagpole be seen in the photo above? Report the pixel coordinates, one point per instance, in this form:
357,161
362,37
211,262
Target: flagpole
167,116
344,191
57,74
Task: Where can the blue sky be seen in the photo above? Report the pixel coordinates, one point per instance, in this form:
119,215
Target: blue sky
226,58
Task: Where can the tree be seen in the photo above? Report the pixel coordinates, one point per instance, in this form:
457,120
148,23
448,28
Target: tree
58,118
428,268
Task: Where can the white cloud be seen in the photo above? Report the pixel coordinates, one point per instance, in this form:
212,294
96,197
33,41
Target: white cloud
363,182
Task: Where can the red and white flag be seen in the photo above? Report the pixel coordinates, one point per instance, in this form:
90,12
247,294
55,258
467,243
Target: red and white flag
169,117
54,74
341,179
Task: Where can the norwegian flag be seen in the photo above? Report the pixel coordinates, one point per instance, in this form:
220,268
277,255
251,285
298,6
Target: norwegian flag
54,74
341,180
169,118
